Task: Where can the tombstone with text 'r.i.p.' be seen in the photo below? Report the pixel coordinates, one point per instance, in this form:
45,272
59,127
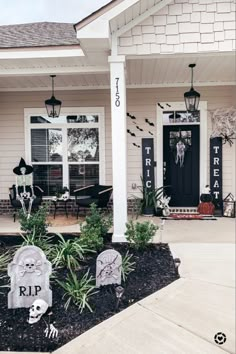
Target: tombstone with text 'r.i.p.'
29,272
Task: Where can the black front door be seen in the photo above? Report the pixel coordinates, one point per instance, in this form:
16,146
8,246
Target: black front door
181,164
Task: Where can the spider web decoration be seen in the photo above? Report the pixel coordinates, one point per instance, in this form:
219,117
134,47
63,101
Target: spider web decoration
224,124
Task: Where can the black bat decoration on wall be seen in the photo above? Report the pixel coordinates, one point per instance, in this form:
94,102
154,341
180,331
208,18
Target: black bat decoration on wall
150,133
132,134
168,104
129,115
139,128
134,122
138,146
150,123
160,105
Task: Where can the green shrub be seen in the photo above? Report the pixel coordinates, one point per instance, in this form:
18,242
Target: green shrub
95,228
77,290
36,223
97,220
90,236
140,234
32,239
68,253
127,266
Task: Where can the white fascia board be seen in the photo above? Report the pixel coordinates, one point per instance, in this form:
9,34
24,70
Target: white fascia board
56,70
99,28
38,53
107,87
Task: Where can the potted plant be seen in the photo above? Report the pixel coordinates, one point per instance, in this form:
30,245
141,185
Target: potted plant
150,202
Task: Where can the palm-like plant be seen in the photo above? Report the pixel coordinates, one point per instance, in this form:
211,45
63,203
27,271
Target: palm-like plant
150,197
77,290
68,253
127,266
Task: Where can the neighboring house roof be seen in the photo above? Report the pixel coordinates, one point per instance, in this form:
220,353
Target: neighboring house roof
97,13
41,34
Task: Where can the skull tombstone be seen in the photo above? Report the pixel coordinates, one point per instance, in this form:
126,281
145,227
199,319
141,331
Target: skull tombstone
29,272
108,268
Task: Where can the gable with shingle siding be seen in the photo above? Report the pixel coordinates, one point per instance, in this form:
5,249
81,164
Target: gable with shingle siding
41,34
200,26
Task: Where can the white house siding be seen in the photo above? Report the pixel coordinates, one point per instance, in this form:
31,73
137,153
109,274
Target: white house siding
184,26
140,102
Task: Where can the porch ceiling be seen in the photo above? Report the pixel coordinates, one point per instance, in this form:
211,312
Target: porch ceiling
73,73
174,71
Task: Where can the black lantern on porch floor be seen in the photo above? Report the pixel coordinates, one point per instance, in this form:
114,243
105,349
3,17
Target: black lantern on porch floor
53,105
192,97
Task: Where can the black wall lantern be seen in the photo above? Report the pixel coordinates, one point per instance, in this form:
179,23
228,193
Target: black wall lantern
53,105
192,97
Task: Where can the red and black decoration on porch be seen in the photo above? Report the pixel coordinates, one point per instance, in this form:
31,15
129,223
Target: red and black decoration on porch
206,207
216,173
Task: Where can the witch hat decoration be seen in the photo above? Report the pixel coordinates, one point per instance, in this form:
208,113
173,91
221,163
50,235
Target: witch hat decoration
22,168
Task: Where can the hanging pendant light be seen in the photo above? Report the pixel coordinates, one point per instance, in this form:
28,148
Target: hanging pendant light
53,105
192,97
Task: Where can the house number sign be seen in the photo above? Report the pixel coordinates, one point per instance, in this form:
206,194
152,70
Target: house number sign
148,163
117,95
216,171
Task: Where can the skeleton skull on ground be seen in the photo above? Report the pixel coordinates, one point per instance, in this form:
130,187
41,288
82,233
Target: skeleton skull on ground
30,265
38,308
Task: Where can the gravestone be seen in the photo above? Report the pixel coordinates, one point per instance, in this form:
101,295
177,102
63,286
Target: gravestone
108,268
29,272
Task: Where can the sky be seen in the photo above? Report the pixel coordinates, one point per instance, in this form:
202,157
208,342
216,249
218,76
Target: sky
27,11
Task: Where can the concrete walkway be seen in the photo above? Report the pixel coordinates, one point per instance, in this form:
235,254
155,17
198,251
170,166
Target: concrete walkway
182,318
221,230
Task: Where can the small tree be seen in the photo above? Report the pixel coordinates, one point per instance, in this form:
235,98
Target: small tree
95,228
36,224
140,234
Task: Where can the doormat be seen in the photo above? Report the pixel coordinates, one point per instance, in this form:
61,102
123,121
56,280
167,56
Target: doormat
182,216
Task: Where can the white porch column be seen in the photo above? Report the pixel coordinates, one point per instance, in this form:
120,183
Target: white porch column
119,146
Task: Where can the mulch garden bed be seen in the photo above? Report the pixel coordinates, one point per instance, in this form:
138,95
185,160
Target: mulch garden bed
154,270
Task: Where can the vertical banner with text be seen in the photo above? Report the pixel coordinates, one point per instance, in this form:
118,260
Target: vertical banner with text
216,171
148,163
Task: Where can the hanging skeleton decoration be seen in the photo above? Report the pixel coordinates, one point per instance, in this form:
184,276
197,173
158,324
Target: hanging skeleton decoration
24,178
179,143
36,311
180,153
224,124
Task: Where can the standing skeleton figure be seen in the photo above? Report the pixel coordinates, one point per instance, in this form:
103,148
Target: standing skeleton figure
180,152
24,178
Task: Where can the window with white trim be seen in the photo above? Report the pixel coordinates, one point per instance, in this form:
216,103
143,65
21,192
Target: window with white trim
66,151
